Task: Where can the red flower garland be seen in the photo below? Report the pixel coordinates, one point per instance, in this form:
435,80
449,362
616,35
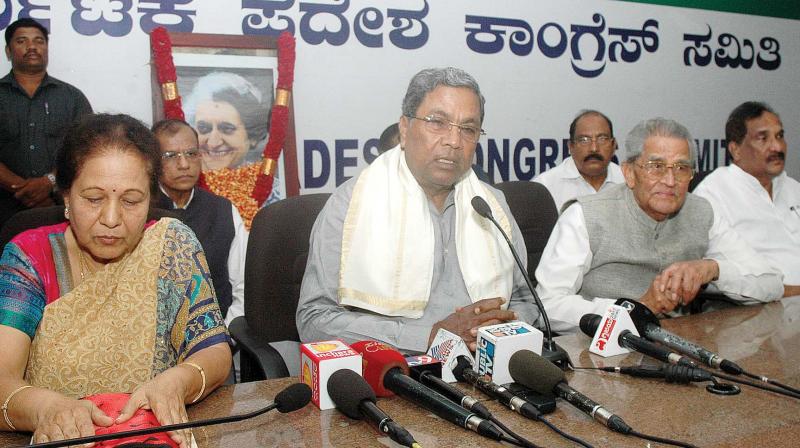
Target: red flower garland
280,118
161,46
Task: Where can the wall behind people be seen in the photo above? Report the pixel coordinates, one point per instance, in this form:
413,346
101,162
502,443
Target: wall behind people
539,62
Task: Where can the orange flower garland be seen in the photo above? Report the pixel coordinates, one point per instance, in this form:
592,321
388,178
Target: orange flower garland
236,184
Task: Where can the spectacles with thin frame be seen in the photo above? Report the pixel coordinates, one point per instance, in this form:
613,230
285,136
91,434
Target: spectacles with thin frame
601,140
657,168
437,125
189,154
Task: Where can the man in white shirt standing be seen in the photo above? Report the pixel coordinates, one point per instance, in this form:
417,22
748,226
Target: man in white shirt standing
647,240
589,168
755,195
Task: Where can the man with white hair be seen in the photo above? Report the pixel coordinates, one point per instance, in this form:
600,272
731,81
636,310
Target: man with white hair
398,252
647,240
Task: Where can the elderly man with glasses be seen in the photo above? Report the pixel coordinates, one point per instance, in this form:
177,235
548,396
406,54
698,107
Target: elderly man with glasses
398,252
214,219
647,240
589,168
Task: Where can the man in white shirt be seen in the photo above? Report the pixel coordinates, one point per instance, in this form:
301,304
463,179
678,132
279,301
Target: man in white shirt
589,168
214,219
754,194
647,240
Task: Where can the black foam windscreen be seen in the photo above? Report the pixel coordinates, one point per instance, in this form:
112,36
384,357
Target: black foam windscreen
293,397
640,314
534,372
462,364
480,206
589,324
348,389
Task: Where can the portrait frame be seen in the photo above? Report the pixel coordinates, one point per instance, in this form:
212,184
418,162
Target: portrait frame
239,55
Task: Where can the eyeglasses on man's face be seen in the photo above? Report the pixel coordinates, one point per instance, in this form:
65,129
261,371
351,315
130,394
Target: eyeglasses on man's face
189,154
657,168
438,125
601,140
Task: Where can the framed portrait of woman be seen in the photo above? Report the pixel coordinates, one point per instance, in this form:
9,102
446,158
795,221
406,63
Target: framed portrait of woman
227,86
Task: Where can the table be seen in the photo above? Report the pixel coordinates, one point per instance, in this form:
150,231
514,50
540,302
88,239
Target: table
764,339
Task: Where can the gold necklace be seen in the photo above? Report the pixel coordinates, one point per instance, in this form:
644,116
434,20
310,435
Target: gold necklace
83,264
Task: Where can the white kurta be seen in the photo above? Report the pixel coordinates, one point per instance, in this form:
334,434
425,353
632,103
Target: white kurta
770,225
743,275
564,181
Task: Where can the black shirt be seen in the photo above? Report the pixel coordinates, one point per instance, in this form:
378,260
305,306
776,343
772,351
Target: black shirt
32,129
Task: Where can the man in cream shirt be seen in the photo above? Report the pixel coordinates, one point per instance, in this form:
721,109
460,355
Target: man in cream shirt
589,168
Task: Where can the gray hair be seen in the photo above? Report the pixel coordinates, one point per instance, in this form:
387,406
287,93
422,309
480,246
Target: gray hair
657,127
425,81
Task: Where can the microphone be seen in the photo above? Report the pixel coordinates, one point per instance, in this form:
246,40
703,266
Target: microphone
428,371
677,343
539,374
453,393
377,356
550,350
590,322
465,373
353,396
290,399
652,330
669,372
648,325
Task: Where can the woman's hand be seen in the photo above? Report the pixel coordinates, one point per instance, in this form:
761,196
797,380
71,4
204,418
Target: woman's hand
165,396
67,418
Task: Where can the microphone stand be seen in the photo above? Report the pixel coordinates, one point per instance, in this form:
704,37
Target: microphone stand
550,350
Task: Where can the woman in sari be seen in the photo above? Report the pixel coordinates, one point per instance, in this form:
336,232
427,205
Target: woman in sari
106,301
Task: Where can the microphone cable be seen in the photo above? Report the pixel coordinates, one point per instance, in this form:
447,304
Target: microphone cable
515,442
764,379
759,385
520,441
661,440
684,375
565,435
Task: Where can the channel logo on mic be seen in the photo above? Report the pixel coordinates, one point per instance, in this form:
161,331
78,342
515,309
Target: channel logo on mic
485,355
496,344
608,328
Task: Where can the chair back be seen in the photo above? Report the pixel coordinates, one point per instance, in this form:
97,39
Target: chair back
536,215
277,251
47,216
